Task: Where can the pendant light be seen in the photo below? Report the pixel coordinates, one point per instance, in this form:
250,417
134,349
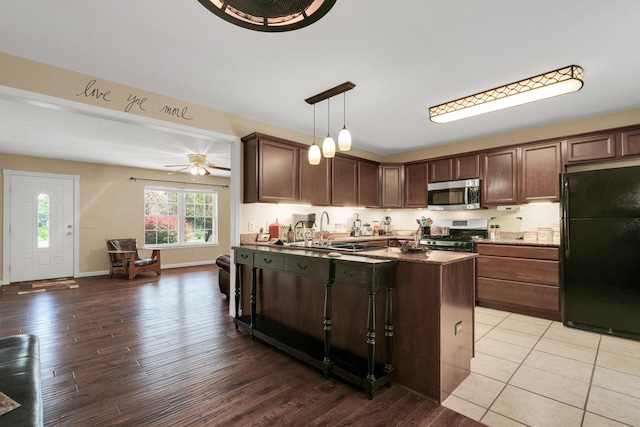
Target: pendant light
314,150
344,137
329,145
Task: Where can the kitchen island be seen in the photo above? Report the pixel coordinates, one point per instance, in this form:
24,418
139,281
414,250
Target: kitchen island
396,315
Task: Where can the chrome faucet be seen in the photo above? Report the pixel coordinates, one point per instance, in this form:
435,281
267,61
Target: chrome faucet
322,215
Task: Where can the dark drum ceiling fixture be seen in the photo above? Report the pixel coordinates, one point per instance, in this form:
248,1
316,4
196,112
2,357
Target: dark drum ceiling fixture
270,15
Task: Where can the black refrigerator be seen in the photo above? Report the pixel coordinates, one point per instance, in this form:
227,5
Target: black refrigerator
601,251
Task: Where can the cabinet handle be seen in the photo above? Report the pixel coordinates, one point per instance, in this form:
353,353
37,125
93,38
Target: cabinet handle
347,273
302,266
244,256
267,261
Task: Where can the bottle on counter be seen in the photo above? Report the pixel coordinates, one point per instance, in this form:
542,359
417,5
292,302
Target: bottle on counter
290,234
492,232
497,232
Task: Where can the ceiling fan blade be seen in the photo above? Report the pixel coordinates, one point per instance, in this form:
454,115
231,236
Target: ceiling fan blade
179,170
206,172
219,167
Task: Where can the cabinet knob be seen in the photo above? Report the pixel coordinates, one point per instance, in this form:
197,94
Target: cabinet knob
302,266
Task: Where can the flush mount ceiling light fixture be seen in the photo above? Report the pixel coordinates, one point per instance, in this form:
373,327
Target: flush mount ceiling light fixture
344,138
270,15
559,82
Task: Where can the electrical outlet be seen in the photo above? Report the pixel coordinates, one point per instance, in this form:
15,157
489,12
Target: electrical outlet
458,328
252,226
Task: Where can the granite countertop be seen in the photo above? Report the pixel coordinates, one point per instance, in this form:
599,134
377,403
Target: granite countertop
433,257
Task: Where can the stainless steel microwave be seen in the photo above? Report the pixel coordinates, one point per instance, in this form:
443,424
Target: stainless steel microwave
454,195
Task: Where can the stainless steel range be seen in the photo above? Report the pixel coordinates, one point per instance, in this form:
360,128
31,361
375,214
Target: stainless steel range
454,234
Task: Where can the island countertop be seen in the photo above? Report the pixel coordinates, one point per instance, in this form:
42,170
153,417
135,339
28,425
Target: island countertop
384,253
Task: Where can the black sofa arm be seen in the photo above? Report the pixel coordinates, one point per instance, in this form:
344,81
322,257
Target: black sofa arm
20,380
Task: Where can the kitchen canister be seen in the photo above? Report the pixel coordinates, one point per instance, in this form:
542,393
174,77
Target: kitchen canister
545,234
530,236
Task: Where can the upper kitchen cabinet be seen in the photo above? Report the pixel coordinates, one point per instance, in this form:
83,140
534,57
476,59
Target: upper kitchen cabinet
500,181
455,168
539,173
344,182
588,148
271,170
631,143
441,170
315,180
368,184
466,167
392,185
415,184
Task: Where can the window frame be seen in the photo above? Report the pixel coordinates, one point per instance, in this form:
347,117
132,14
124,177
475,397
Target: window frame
213,239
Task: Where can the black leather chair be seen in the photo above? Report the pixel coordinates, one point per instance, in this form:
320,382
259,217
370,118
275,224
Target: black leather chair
20,380
224,273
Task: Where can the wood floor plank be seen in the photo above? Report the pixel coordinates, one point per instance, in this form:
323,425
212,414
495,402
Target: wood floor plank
163,352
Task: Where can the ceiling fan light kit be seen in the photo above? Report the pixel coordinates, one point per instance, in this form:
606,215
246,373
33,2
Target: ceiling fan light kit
197,165
269,15
553,83
344,137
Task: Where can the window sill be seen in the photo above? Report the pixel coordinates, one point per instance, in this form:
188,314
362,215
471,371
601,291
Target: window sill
182,246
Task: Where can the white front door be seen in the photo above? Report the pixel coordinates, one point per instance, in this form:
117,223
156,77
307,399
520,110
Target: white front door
41,226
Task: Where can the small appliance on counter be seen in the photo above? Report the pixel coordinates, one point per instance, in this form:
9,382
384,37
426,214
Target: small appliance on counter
302,224
387,228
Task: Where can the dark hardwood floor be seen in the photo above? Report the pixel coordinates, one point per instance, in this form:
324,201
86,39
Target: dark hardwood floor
163,351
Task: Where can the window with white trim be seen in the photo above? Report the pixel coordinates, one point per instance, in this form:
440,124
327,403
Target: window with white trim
177,216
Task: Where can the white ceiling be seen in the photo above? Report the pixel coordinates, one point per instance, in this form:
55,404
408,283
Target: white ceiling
404,57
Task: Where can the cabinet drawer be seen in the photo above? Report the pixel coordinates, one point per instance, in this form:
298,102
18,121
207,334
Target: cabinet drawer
521,270
270,261
517,251
351,273
518,293
307,267
243,257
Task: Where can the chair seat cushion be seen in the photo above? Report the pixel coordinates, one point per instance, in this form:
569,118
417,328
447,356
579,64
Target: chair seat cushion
145,261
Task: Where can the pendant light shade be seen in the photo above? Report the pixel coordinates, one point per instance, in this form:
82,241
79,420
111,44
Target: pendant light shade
314,150
344,137
329,145
314,154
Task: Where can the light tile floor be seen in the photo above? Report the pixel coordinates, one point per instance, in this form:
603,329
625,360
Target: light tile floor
535,372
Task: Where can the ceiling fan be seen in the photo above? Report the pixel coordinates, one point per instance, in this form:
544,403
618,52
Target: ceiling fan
197,165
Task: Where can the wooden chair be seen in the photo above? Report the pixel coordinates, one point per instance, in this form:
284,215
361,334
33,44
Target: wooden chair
124,258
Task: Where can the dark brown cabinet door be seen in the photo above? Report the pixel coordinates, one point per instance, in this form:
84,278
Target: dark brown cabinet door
415,185
466,167
539,173
631,143
270,171
500,183
315,180
595,147
368,184
344,182
392,186
441,170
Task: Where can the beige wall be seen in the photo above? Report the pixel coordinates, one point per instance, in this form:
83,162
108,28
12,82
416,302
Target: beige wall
114,202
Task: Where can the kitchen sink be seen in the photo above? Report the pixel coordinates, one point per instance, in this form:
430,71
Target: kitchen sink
341,247
352,247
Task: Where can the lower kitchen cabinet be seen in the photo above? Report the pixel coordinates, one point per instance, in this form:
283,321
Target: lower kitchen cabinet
519,279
